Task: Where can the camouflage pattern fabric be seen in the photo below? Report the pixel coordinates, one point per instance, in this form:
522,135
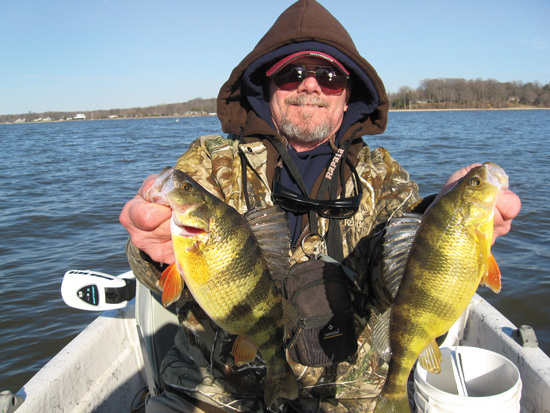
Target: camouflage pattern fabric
200,363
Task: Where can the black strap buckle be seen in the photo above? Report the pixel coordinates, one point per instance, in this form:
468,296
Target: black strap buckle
120,294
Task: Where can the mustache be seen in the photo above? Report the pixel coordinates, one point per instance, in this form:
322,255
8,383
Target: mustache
305,100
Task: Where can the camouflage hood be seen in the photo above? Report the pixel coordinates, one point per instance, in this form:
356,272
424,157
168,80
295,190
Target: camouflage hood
305,25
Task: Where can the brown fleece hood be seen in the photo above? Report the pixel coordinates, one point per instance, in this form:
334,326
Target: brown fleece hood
305,25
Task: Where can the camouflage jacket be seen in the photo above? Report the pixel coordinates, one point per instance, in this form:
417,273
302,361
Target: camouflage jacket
200,363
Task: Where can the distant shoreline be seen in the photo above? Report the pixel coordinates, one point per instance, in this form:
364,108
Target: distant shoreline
108,119
213,114
466,109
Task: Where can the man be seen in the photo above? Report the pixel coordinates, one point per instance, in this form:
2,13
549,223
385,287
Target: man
295,109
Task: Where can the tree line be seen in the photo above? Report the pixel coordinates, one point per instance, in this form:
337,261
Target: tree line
471,94
197,106
431,94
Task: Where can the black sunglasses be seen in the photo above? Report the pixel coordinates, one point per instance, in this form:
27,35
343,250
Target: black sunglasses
330,81
300,204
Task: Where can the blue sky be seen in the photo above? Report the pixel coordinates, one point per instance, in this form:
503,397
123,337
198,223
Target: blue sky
83,55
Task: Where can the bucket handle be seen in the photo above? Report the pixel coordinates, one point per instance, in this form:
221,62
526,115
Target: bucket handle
458,371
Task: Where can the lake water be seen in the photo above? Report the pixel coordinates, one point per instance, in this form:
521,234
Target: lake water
62,186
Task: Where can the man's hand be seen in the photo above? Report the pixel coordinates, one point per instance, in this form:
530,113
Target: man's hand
507,207
149,225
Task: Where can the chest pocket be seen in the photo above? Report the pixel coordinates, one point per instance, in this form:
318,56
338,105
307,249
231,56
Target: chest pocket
324,333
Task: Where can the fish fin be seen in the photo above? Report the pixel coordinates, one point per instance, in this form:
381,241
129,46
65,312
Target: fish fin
431,358
283,385
490,273
399,235
194,248
492,278
270,228
172,284
381,336
387,405
244,351
290,317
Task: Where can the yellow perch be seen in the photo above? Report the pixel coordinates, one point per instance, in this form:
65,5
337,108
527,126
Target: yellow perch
449,257
219,258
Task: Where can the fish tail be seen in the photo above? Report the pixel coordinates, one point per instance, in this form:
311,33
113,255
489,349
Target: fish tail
283,385
392,405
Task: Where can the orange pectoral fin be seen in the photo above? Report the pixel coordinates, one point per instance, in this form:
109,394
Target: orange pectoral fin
492,277
490,271
171,283
244,351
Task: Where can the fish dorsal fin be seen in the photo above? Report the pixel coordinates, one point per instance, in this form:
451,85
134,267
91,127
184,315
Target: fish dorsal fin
244,351
431,358
270,227
398,238
381,336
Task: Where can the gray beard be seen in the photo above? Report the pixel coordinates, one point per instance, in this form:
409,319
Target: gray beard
305,132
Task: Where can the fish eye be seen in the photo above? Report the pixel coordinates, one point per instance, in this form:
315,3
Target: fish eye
475,181
187,186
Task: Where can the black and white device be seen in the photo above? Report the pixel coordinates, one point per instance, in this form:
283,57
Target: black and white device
96,291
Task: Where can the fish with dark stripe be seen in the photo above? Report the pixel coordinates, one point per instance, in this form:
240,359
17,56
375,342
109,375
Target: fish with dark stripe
220,259
448,258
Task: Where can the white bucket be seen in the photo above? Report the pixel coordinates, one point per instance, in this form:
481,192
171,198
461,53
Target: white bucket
471,380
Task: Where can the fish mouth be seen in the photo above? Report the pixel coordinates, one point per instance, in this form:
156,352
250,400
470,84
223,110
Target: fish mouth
186,231
183,224
496,176
163,185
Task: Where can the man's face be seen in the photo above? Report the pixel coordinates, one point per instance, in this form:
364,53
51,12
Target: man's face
306,116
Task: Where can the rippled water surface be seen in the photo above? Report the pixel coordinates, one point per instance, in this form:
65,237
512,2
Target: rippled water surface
62,186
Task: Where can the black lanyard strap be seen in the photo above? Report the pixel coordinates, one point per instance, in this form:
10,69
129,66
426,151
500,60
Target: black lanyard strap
289,164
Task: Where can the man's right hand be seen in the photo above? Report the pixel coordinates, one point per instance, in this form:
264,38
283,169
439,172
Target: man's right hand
149,225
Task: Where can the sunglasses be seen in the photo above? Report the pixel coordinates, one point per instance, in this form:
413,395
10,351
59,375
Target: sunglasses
299,204
330,81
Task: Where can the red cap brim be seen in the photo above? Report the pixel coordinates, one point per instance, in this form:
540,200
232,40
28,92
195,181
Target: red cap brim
306,53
